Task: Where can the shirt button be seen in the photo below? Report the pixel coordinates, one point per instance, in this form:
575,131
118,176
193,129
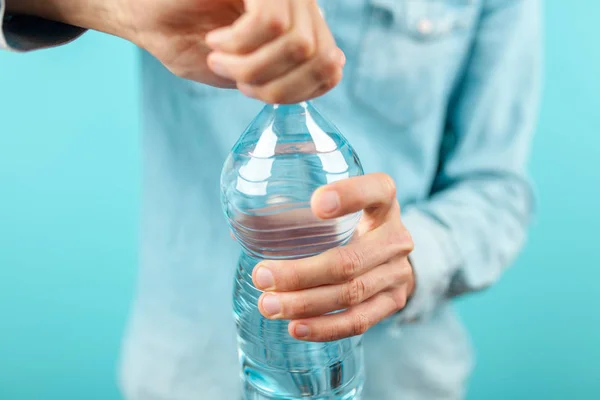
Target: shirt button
425,26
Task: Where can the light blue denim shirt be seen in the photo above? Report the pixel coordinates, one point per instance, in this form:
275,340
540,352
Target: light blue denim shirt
440,94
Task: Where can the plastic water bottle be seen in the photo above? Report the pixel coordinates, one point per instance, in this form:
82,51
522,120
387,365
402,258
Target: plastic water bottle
267,182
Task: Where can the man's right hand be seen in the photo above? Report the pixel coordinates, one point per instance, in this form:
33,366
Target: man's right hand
277,51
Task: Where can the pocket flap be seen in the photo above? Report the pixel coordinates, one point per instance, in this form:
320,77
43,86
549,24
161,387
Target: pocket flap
427,18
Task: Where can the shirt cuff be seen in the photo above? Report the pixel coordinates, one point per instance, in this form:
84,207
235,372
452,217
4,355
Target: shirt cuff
435,259
26,33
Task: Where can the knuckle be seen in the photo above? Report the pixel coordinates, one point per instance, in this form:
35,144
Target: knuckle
396,205
401,268
389,186
274,96
327,86
401,241
409,243
348,262
237,44
331,333
247,75
326,67
360,324
275,24
398,274
299,307
330,64
331,78
299,48
401,303
290,278
399,300
353,293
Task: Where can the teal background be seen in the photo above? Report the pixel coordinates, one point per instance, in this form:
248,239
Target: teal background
69,193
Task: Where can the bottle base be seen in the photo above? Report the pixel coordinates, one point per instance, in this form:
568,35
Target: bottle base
251,392
261,384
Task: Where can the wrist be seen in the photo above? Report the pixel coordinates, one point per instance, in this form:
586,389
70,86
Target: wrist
102,15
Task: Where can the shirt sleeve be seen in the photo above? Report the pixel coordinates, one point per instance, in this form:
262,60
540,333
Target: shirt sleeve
475,222
25,33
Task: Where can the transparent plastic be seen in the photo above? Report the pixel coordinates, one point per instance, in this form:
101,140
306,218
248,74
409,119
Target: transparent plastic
267,182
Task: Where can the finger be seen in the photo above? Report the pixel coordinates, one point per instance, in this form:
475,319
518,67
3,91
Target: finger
334,266
323,73
325,299
354,321
265,64
322,32
263,21
313,78
273,59
326,87
325,39
375,193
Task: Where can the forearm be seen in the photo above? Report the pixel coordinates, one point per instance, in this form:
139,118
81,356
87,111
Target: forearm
100,15
466,236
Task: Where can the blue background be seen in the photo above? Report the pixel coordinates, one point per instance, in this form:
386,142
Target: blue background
69,194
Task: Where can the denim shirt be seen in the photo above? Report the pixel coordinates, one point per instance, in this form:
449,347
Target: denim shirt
440,94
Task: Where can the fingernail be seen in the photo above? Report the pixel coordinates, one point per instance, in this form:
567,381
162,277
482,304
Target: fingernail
219,69
271,304
328,201
264,278
301,331
217,37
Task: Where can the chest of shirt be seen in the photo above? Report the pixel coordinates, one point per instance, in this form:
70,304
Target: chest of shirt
404,56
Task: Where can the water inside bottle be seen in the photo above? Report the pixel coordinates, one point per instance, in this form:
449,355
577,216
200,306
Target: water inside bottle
267,182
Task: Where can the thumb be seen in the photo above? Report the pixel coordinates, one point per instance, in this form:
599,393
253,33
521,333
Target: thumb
374,193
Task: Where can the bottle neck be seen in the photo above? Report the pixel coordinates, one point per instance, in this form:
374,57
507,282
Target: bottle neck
290,120
290,109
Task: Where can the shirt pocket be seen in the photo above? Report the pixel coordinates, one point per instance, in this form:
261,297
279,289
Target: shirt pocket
407,52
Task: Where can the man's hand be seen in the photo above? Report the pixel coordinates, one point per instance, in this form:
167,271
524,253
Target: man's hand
278,51
370,278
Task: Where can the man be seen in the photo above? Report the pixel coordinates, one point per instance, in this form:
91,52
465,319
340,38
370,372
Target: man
439,99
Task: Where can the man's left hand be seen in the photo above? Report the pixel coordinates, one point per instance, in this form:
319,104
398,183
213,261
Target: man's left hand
370,278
